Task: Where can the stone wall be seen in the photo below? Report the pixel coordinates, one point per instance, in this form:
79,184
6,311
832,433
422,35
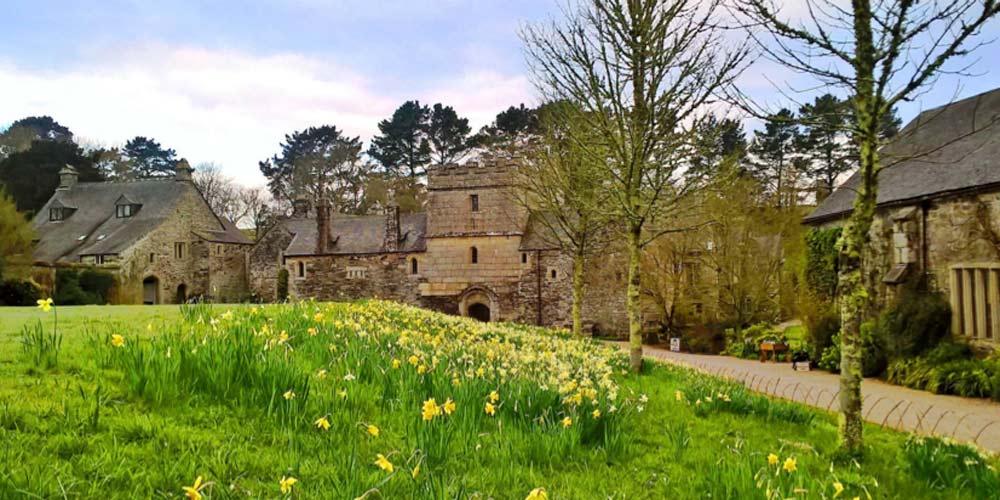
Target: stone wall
264,260
352,277
450,207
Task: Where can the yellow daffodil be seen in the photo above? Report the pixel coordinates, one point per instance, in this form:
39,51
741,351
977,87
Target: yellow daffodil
596,414
117,340
312,332
414,360
490,409
837,489
318,317
422,369
321,373
289,394
772,459
537,494
415,472
384,463
790,465
194,492
372,430
430,409
342,393
396,363
494,397
566,422
449,406
286,484
678,395
45,304
322,423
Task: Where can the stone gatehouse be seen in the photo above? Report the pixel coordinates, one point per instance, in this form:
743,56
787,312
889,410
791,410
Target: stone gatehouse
938,212
473,252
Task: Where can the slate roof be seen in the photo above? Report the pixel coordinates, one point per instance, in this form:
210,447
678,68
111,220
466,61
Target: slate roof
538,235
93,229
355,234
950,149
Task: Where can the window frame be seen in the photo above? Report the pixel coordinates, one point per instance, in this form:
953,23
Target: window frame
474,202
474,255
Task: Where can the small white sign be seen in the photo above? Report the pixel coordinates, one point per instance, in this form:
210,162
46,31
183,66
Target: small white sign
675,344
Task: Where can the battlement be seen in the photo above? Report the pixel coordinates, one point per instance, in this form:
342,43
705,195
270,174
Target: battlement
484,172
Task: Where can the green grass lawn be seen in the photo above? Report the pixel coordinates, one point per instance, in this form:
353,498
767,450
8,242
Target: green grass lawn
239,397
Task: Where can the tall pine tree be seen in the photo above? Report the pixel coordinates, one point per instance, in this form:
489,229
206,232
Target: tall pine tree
774,153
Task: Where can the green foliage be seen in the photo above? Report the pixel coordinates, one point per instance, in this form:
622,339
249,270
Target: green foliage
81,287
31,176
282,285
873,356
745,343
821,329
916,321
821,262
16,234
709,395
19,293
147,158
40,347
949,368
945,466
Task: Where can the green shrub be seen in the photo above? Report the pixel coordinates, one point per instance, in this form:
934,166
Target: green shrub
821,262
820,331
873,358
745,343
282,292
916,321
19,293
89,286
949,368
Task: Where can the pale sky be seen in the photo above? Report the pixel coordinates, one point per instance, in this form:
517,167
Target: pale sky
224,81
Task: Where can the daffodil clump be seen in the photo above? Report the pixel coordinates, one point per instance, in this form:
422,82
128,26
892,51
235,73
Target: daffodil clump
420,386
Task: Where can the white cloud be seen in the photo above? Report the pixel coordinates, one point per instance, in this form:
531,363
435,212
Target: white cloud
230,107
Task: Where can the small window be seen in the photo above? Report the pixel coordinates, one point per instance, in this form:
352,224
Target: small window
524,257
180,250
218,249
300,269
152,258
413,266
553,273
474,201
56,214
475,255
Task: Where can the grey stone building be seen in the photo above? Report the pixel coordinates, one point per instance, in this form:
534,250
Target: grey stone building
158,236
938,213
474,252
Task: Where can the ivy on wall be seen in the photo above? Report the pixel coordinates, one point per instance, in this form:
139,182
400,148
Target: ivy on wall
821,262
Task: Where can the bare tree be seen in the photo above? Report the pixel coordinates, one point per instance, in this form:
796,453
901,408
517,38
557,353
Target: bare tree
642,73
879,54
563,189
260,212
221,192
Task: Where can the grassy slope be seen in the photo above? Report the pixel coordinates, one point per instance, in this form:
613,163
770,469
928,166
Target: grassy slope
137,450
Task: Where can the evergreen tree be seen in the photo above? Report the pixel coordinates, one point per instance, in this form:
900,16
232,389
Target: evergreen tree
774,151
510,125
147,158
825,142
318,162
717,141
30,177
44,128
448,134
402,146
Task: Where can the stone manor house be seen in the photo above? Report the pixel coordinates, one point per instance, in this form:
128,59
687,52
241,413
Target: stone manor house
473,252
938,212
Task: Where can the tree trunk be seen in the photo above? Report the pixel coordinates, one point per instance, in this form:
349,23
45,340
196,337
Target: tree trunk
578,295
632,299
854,296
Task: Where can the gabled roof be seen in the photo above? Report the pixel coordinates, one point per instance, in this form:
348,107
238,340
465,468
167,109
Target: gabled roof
355,234
93,228
946,150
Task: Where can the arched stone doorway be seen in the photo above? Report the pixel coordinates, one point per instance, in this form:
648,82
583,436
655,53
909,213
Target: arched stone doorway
151,290
182,296
479,303
480,312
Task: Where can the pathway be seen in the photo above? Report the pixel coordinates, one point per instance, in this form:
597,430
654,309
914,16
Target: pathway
965,419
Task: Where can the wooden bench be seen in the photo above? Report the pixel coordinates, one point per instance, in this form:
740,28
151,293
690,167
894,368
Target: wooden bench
775,349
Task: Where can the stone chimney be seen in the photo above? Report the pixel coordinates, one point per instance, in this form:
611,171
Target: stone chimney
391,243
322,226
301,207
67,177
183,170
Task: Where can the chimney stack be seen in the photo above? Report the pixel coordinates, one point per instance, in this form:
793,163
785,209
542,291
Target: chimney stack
67,177
183,170
322,226
301,207
391,242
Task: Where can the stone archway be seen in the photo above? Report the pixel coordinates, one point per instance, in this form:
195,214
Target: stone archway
151,290
181,294
479,303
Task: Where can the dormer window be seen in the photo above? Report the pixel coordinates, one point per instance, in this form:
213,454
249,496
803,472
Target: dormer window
126,211
57,214
125,207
